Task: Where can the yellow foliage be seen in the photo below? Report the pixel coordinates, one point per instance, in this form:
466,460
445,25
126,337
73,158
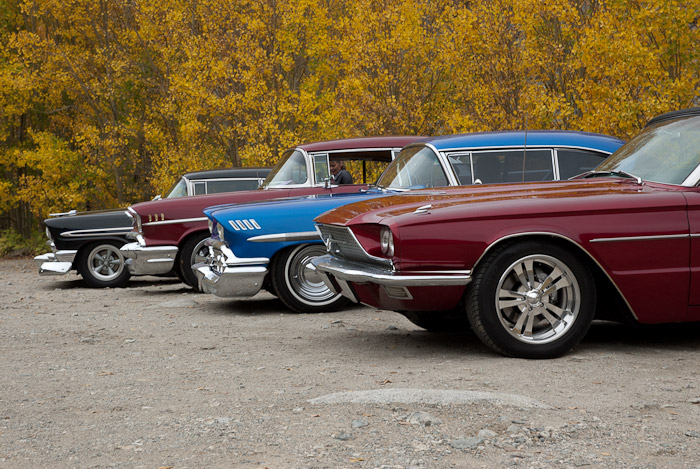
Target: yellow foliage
106,103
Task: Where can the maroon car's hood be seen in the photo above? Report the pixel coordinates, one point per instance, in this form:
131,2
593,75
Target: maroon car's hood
190,207
510,200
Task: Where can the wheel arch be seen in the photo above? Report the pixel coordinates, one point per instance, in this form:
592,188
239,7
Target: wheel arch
605,285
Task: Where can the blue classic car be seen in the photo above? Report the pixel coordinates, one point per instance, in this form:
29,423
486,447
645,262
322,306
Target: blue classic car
270,244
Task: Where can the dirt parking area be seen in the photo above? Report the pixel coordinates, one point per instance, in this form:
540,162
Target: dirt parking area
156,376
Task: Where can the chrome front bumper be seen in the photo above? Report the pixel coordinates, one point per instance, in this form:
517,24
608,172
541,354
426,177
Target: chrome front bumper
228,276
144,260
56,262
338,273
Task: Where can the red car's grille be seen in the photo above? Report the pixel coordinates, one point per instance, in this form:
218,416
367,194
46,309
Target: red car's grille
340,242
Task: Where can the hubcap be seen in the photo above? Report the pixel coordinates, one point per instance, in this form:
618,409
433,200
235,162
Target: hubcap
304,280
538,299
106,262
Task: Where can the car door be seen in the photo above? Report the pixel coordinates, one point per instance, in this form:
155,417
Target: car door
692,197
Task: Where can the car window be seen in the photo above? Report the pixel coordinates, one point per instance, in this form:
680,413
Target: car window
365,171
231,185
290,170
574,162
415,168
666,152
200,187
321,170
178,190
462,168
513,166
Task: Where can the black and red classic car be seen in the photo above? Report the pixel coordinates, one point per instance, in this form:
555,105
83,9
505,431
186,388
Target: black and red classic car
89,242
530,265
170,234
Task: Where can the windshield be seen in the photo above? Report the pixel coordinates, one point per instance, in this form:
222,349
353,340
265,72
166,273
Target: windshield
178,190
414,168
666,152
291,169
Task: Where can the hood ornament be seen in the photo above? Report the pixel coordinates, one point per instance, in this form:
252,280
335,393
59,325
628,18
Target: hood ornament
423,209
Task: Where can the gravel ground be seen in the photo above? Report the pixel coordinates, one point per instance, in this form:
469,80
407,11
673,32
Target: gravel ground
157,376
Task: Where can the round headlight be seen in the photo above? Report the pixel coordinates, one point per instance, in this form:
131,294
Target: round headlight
220,231
210,224
48,234
386,241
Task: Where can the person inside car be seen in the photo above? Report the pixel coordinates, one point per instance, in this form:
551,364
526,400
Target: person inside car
339,174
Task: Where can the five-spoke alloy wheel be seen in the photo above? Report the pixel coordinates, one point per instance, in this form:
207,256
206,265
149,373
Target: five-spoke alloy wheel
102,265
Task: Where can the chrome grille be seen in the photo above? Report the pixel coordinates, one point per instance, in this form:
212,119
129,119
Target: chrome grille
341,242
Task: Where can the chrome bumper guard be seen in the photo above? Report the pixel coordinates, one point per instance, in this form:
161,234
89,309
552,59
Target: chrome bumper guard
144,260
338,273
228,276
56,262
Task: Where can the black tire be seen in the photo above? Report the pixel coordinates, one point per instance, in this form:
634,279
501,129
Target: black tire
101,265
297,284
439,321
193,250
547,302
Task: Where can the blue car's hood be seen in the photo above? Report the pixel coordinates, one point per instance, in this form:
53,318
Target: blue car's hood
283,205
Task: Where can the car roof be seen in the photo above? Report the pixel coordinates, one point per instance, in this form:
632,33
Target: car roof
392,141
228,173
693,111
519,138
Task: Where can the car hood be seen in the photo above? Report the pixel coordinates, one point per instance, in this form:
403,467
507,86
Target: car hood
192,206
317,203
90,220
500,200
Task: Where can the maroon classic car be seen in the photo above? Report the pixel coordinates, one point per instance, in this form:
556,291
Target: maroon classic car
530,265
170,234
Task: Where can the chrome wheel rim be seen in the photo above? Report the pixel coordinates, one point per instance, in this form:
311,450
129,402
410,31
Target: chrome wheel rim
538,299
200,253
303,279
105,262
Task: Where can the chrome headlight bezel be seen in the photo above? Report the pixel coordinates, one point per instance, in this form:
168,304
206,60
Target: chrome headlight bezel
220,232
210,225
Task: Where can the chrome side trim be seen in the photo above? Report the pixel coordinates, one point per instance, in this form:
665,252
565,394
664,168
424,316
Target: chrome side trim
170,222
639,238
281,237
565,238
537,147
97,232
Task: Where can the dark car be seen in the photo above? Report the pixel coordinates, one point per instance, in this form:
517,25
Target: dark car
530,265
89,242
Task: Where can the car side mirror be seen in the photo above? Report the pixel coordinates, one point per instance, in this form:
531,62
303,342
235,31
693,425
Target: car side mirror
327,183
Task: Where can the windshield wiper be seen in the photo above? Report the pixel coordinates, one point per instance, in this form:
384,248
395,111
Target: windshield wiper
618,173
